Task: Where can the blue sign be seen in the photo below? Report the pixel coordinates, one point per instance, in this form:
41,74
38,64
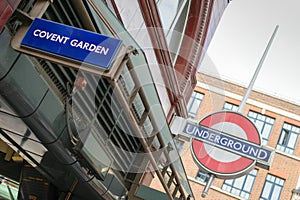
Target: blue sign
228,142
69,42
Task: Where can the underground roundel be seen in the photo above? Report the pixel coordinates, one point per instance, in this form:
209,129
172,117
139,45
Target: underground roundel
219,161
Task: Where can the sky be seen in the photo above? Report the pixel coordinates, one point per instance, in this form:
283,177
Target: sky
241,38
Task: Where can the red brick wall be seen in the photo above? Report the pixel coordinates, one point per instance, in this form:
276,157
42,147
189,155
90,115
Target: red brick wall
283,166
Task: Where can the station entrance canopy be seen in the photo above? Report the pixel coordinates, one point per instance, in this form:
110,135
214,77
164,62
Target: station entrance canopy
127,80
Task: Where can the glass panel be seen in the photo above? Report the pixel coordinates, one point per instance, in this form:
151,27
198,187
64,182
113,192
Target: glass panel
173,14
263,123
224,187
283,136
247,196
259,117
254,172
288,138
175,34
266,131
277,180
148,127
168,9
229,182
249,183
254,115
266,190
194,108
276,193
238,183
202,176
259,125
93,149
235,191
241,186
230,106
194,104
292,140
8,188
272,188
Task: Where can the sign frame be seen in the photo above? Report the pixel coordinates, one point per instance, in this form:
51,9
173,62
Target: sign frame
72,43
117,64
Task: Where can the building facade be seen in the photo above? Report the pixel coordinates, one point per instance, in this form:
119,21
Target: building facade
70,130
278,122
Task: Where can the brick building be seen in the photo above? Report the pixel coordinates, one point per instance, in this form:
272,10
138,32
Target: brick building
276,119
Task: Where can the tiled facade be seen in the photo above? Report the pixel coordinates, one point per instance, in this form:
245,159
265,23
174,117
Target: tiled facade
283,176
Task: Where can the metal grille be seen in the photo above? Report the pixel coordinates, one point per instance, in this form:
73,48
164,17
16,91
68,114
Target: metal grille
94,109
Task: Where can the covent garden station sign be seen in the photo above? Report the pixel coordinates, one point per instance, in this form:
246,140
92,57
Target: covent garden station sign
224,145
71,42
71,46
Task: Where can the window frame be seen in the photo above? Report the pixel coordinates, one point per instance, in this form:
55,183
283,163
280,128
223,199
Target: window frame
284,139
202,177
233,106
265,121
192,101
169,29
274,181
229,185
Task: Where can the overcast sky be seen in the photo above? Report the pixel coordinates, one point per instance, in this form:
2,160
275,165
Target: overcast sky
241,38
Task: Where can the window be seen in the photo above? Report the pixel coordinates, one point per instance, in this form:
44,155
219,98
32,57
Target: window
241,186
272,188
173,15
230,106
194,104
9,188
288,138
263,123
168,10
202,177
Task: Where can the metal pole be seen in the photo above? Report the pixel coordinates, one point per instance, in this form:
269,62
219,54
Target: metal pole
250,86
207,186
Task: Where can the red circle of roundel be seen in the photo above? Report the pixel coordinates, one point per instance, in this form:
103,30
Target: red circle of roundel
225,168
